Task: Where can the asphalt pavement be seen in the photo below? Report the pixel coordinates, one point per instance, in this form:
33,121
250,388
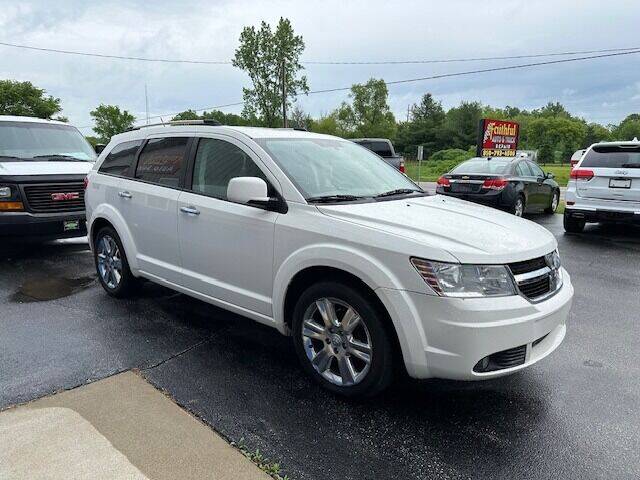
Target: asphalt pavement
572,415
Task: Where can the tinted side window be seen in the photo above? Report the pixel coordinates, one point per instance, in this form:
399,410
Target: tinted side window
120,159
381,148
216,163
537,171
523,170
162,161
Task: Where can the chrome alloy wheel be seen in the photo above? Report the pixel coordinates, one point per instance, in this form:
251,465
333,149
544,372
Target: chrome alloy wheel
337,341
109,261
555,201
519,207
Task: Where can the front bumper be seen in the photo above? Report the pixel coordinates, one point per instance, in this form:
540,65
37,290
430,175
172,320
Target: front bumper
446,337
26,225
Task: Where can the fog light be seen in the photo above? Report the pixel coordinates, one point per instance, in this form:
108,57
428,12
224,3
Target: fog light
482,365
11,206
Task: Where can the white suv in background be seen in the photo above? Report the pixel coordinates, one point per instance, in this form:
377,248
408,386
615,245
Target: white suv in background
321,239
604,186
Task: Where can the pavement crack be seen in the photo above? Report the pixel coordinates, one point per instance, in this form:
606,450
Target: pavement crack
178,354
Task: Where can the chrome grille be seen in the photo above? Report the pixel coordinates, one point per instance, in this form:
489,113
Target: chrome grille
534,278
55,197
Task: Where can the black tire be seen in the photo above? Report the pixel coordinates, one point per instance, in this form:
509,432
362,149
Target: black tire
573,225
550,209
515,206
379,372
127,284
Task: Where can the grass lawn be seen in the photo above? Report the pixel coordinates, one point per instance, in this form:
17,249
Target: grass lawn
430,172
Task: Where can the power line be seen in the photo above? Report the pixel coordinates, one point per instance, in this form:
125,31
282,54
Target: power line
313,62
432,77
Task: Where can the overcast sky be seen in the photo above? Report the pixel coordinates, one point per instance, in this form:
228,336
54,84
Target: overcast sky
602,90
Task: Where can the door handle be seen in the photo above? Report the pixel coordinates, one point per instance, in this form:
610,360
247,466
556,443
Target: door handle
124,194
190,210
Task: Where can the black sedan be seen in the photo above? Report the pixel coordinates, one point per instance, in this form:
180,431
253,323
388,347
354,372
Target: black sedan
512,184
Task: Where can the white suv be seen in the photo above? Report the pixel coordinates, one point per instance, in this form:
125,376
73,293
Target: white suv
321,239
604,186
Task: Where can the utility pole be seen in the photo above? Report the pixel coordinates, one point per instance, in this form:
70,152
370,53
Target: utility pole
146,102
284,95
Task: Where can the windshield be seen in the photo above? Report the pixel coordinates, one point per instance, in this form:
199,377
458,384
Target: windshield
40,141
328,167
612,157
483,165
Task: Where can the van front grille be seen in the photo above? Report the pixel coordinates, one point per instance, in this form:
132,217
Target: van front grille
55,197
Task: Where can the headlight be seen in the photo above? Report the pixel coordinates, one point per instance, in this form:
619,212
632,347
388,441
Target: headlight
467,281
10,199
555,277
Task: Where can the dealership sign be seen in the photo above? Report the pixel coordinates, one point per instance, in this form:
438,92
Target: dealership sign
497,138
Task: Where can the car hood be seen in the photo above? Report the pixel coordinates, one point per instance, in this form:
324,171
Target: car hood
45,168
470,232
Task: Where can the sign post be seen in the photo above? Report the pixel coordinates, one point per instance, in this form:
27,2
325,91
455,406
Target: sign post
420,155
497,138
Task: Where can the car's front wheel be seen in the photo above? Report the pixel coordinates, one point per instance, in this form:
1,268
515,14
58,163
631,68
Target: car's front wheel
555,201
112,265
518,206
341,340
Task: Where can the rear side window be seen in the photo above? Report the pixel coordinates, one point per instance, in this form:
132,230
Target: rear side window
217,162
120,159
522,169
162,161
381,148
612,157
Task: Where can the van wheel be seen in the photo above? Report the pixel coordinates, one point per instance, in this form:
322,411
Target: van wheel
573,225
341,341
518,206
112,265
555,201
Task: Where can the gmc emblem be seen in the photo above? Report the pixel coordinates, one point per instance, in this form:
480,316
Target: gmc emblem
60,197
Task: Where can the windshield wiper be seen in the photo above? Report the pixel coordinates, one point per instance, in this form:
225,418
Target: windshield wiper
11,157
57,156
333,198
398,191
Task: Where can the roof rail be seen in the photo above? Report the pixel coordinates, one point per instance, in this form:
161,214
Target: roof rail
206,121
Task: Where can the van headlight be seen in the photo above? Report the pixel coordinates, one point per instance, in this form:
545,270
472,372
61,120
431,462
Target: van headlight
466,281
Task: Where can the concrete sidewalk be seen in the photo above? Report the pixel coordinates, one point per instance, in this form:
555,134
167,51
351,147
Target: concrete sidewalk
117,428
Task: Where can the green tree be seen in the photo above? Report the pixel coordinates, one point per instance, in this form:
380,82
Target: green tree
369,114
596,133
299,118
462,124
110,120
267,57
327,124
545,153
628,129
556,131
23,98
425,127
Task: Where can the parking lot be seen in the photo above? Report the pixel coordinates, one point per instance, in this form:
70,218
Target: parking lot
573,415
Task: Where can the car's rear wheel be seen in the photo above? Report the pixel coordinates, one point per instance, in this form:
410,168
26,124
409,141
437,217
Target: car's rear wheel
573,225
341,340
555,201
518,206
112,265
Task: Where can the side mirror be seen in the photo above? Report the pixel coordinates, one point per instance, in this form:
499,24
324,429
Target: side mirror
248,190
99,147
549,175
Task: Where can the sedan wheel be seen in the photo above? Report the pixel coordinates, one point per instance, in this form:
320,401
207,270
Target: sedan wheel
518,207
337,341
